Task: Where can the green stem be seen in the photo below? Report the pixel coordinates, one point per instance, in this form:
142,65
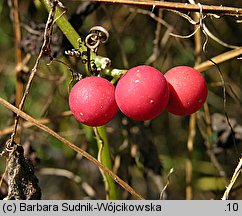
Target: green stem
102,139
70,32
65,26
105,157
73,36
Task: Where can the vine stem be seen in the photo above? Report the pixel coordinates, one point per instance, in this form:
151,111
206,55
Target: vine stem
100,132
64,25
105,158
73,37
72,146
220,10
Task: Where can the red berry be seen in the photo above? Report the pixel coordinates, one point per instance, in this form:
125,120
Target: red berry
188,90
92,101
142,93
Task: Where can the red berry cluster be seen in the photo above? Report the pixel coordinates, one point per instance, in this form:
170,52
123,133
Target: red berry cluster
142,93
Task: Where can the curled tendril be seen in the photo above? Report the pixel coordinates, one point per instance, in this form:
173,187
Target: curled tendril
78,53
73,53
199,23
9,148
96,36
201,16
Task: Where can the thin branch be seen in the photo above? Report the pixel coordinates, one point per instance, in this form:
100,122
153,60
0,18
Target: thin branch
189,165
221,10
18,52
72,146
223,85
185,16
118,39
60,172
233,179
156,42
202,25
18,57
70,175
192,120
152,15
219,59
217,39
26,124
44,49
232,92
167,184
185,36
204,125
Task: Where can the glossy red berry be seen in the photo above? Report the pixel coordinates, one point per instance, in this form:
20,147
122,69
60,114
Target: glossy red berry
142,93
188,90
92,101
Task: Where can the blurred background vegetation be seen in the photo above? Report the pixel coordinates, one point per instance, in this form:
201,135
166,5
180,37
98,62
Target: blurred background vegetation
143,152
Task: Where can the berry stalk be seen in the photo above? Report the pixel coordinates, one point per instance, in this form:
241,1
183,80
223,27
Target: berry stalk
105,158
102,139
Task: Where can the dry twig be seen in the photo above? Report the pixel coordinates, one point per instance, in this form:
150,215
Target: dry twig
44,49
72,146
26,124
219,59
167,183
18,56
233,179
221,10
